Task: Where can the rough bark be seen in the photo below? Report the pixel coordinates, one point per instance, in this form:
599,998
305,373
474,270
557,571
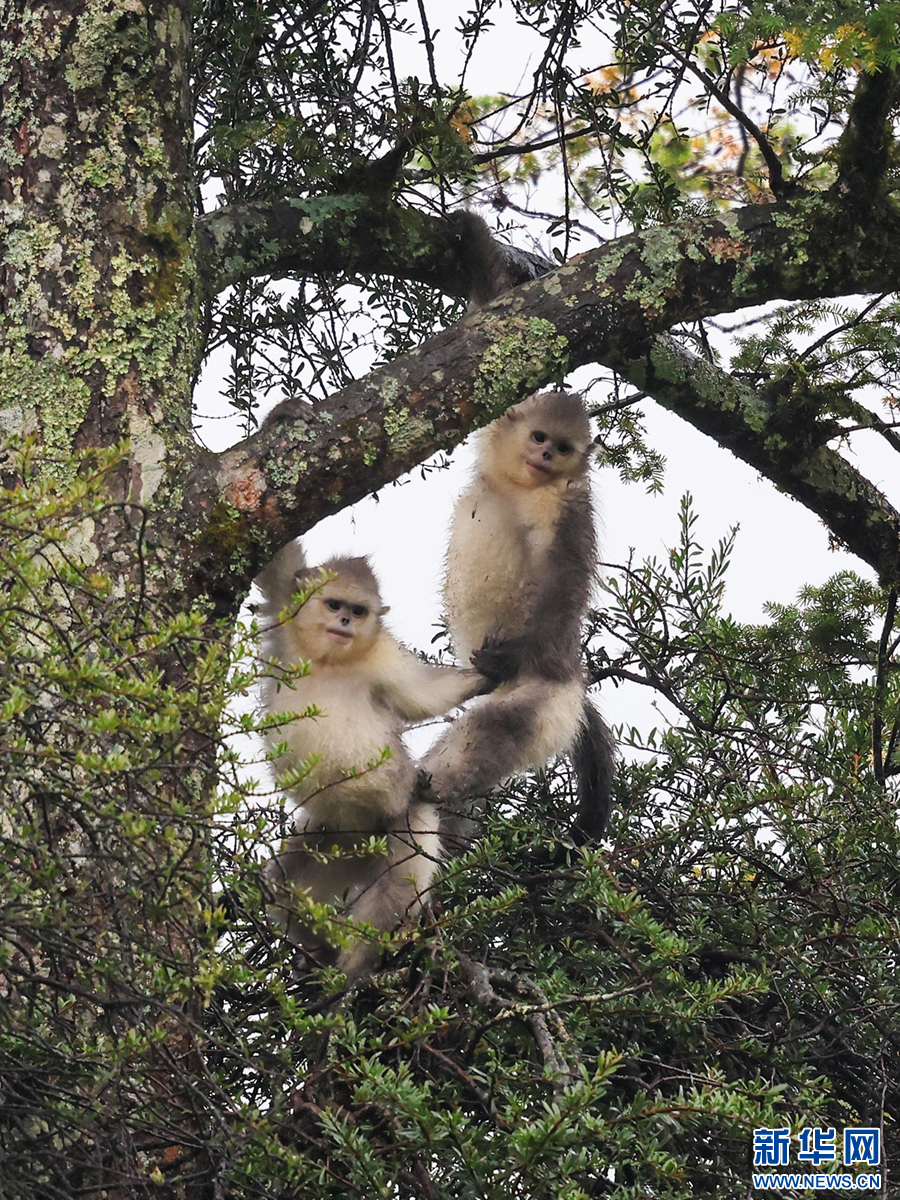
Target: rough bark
608,306
100,333
777,435
347,233
100,341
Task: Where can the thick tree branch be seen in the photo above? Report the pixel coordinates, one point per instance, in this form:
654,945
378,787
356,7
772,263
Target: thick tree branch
327,234
777,439
607,306
365,235
867,143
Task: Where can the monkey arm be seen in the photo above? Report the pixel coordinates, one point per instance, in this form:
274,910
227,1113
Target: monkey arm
278,582
416,690
543,653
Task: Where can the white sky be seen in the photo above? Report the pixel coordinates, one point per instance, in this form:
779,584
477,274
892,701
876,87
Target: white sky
780,545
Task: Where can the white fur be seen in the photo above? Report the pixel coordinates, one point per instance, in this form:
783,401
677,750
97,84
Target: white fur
497,541
343,790
365,701
503,527
365,689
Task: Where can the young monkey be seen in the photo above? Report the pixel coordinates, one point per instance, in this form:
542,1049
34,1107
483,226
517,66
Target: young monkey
520,565
367,689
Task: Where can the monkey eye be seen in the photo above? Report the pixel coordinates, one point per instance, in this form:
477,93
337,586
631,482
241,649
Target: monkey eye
359,610
564,447
539,437
334,605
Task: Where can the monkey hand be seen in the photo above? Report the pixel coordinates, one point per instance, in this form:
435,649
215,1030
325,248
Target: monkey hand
422,789
496,658
487,683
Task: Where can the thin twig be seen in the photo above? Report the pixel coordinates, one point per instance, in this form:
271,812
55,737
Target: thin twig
772,161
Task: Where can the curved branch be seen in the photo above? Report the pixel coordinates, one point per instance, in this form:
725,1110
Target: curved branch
753,426
348,233
607,306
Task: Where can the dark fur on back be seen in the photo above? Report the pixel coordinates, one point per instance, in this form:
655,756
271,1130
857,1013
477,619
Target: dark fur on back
481,259
550,644
547,649
553,632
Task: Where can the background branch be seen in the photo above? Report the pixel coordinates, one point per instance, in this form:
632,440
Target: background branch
867,143
606,306
756,427
341,233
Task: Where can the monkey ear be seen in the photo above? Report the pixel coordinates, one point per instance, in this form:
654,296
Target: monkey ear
385,609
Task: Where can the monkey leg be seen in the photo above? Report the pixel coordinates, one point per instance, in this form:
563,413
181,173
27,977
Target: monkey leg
337,881
400,887
380,890
519,726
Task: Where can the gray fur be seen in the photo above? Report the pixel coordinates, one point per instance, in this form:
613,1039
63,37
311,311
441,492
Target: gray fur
594,760
278,581
557,598
355,572
481,748
520,575
481,259
379,890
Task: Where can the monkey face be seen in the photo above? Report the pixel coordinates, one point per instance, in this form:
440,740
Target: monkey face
341,620
347,620
536,454
542,441
549,454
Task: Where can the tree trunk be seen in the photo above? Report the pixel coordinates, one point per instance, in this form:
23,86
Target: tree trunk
101,337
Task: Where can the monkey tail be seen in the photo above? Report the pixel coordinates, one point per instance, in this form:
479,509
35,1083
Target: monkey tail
593,758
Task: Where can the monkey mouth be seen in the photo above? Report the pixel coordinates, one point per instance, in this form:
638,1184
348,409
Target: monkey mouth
544,468
343,635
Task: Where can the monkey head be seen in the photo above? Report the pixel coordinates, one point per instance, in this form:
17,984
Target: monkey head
341,620
543,441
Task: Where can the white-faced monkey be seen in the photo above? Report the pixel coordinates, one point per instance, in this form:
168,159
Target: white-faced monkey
520,566
366,689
